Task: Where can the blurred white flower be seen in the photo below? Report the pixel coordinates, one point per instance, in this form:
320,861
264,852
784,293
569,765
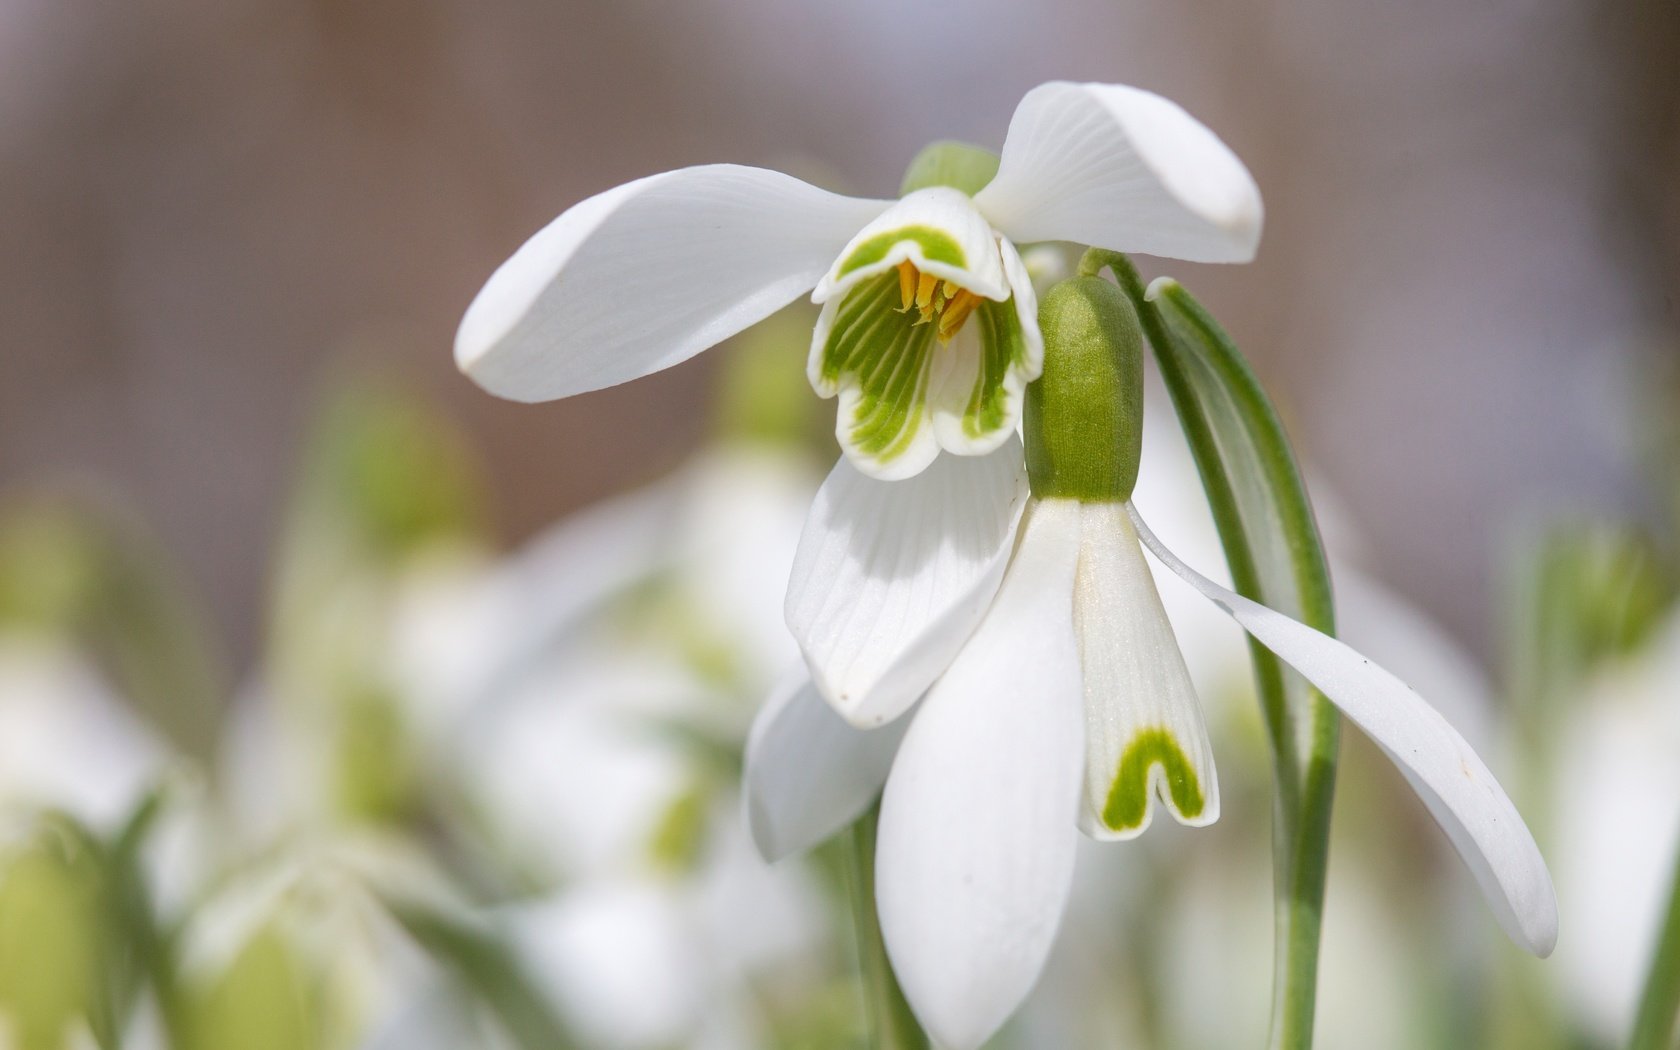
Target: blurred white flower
1616,795
66,742
305,942
661,913
586,692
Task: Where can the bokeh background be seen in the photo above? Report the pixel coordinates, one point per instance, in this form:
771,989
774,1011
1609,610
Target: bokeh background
236,237
1469,269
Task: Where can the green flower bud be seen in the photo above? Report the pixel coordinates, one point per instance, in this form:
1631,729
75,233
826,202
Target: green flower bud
50,941
1084,415
954,164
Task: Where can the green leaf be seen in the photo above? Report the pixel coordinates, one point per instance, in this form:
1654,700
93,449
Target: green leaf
1271,542
891,1024
492,972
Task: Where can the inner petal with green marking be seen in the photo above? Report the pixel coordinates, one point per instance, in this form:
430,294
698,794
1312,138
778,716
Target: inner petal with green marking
896,344
914,375
1145,738
1153,763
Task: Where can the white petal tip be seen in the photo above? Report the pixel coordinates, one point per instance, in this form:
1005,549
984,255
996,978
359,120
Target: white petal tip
648,274
891,578
808,774
761,825
1121,168
1539,928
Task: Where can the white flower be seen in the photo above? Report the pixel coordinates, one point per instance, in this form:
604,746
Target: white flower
1068,707
315,913
646,275
66,741
562,715
1617,804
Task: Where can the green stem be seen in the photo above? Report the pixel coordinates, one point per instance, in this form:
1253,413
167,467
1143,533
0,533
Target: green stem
889,1022
1305,782
1653,1026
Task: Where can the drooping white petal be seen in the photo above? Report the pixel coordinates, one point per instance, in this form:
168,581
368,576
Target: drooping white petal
977,834
647,275
892,576
938,230
808,772
1462,795
1124,169
1144,734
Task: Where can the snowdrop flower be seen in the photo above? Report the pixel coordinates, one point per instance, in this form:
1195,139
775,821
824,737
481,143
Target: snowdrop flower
928,334
304,943
661,914
1069,706
571,728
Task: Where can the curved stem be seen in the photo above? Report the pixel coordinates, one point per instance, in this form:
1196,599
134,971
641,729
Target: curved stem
890,1024
1305,781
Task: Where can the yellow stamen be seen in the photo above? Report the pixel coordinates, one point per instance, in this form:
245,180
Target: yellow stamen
906,284
956,312
943,301
924,292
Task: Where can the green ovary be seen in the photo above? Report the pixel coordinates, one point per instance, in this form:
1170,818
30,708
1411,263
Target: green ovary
937,246
1128,799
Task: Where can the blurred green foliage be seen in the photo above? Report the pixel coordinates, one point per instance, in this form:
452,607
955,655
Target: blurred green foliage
267,998
52,939
73,567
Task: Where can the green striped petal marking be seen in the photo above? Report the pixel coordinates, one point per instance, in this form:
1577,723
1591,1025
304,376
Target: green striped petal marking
1003,348
886,355
887,351
1128,799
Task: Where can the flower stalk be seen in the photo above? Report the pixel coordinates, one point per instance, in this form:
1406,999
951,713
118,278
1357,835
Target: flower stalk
889,1024
1260,507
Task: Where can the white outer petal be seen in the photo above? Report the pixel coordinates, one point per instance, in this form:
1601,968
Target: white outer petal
1124,169
808,772
1135,675
938,207
1461,793
891,577
648,274
977,834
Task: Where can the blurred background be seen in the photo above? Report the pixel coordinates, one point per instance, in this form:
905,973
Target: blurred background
1470,263
236,237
